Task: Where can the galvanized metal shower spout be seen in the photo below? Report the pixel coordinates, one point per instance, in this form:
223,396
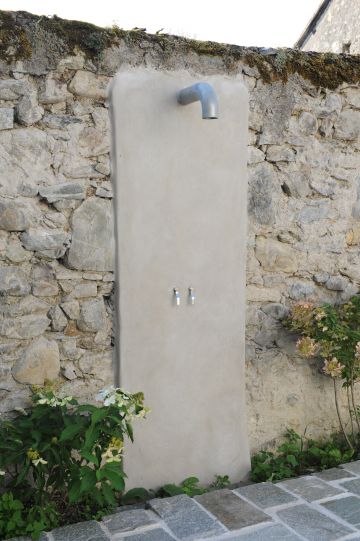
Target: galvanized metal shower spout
204,93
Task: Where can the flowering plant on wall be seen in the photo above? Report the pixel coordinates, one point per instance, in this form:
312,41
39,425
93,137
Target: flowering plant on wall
332,334
63,461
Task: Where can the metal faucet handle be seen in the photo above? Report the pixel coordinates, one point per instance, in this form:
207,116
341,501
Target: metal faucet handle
192,295
177,296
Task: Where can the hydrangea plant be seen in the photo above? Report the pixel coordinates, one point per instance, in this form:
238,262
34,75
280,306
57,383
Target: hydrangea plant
61,455
332,334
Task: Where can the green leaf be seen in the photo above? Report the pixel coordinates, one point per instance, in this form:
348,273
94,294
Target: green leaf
89,456
69,432
88,479
99,415
190,481
135,495
108,494
74,492
172,490
292,460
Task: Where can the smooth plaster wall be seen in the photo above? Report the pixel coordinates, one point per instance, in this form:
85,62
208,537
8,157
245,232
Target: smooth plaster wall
180,202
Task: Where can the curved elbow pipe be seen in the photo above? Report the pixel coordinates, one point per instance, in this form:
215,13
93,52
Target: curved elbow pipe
204,93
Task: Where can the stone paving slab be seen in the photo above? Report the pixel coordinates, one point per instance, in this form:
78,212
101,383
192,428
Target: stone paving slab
311,488
353,467
275,532
185,518
128,520
333,474
352,486
347,508
255,512
82,531
266,495
311,524
157,534
231,510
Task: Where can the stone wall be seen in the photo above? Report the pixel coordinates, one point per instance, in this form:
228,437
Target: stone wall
337,30
56,231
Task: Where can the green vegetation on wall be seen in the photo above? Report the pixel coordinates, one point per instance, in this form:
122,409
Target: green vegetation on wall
19,31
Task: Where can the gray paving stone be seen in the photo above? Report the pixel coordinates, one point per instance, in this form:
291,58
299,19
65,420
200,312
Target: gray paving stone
266,495
231,510
353,467
347,508
151,535
352,486
275,532
311,524
333,474
125,521
310,488
185,518
82,531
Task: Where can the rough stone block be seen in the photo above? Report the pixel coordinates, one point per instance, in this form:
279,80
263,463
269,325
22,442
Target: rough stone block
40,362
313,213
85,290
348,125
24,327
92,246
6,118
48,243
126,521
301,290
265,495
13,281
276,256
347,508
27,110
58,319
62,191
89,85
25,158
92,316
310,488
71,309
13,218
185,518
83,531
262,192
311,524
231,510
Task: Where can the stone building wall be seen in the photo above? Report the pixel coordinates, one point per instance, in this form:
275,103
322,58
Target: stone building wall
337,30
56,231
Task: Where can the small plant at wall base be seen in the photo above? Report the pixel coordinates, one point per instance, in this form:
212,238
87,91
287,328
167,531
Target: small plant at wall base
332,334
61,462
299,455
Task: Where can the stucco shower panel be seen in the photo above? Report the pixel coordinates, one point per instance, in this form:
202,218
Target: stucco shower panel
181,223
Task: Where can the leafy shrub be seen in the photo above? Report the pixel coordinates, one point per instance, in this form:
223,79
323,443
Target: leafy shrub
332,333
63,461
299,456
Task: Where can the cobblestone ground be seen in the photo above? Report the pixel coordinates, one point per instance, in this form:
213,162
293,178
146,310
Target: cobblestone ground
321,507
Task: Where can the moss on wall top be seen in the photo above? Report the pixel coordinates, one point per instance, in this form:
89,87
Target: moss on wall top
19,32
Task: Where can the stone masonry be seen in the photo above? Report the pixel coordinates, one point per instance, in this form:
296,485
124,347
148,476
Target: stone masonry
337,30
56,221
321,507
